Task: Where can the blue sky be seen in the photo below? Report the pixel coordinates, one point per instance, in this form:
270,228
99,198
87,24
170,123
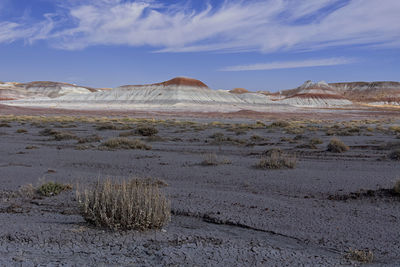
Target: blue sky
258,45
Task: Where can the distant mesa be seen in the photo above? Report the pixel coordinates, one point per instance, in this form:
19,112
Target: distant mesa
183,81
239,91
175,82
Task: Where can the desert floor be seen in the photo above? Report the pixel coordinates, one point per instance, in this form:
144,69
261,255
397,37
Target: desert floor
228,213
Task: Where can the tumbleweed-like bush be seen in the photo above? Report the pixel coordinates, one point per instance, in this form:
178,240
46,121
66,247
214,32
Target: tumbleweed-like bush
277,159
125,143
146,130
337,146
130,205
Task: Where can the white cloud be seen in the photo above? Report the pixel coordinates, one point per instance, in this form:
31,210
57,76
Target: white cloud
291,64
236,25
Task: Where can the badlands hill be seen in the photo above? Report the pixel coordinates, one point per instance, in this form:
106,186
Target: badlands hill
43,89
314,95
375,93
321,93
186,94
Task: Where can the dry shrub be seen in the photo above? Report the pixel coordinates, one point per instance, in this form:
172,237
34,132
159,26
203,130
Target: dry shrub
211,159
395,154
5,125
125,143
89,139
21,131
27,191
146,130
337,146
276,159
58,135
129,205
280,124
316,141
364,256
111,126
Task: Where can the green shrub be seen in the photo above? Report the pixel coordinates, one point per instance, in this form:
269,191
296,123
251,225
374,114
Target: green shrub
130,205
52,189
337,146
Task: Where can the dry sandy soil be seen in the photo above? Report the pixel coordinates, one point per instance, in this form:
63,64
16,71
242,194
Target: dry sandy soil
230,214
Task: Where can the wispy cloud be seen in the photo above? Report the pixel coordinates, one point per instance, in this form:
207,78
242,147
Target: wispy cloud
291,64
237,25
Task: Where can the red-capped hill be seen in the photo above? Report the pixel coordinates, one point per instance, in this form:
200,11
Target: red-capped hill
239,91
183,81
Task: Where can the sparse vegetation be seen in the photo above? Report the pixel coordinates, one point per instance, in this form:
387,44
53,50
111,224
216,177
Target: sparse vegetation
211,159
5,125
277,159
146,130
221,138
111,126
129,205
52,189
58,135
89,139
280,123
21,131
364,256
395,155
316,141
125,143
337,146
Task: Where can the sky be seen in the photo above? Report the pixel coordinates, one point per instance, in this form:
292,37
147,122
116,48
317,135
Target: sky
253,44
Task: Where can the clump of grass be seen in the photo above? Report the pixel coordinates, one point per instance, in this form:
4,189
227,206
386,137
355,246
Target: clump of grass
364,256
52,189
277,159
89,139
280,124
31,147
396,187
395,154
146,130
21,131
221,138
211,159
111,126
5,125
58,135
316,141
337,146
129,205
256,138
125,143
